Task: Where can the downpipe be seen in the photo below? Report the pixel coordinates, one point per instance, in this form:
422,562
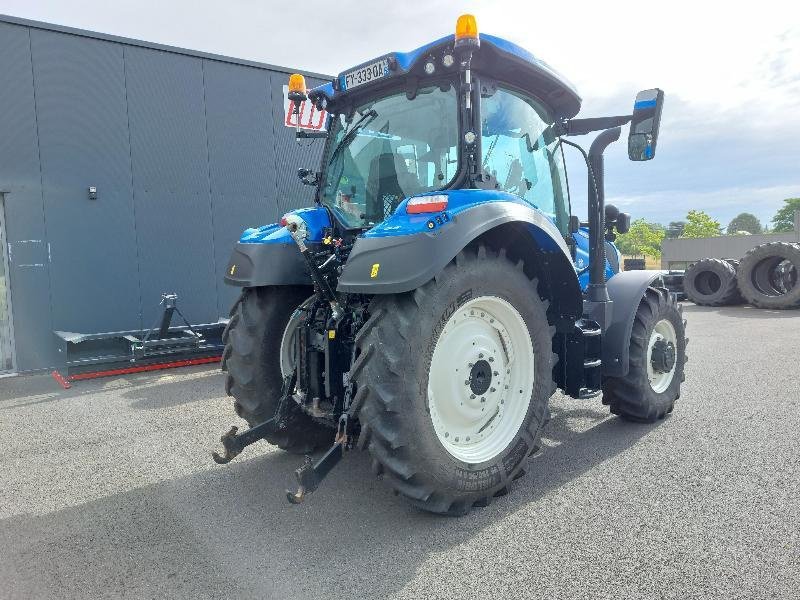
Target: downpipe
598,303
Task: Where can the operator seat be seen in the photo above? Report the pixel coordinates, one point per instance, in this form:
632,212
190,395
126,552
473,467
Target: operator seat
388,182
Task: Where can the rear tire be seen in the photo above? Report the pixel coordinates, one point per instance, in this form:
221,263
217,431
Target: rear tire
409,407
761,283
251,359
711,282
653,383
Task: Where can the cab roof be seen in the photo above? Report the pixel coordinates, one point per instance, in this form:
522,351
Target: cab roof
496,58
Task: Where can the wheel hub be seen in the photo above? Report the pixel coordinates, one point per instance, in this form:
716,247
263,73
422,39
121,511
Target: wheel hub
663,356
480,377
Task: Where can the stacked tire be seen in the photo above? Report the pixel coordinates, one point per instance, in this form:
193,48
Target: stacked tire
712,282
767,276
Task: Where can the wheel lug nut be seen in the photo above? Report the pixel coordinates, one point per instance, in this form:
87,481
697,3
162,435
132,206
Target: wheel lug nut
494,373
472,396
492,390
491,359
466,382
470,365
480,355
483,399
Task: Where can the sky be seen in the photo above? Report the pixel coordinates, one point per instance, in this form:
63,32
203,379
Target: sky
730,131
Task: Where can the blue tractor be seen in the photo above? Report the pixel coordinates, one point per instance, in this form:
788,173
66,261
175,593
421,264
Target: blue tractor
439,291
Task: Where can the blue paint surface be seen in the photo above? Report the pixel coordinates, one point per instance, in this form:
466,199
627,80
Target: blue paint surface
644,104
316,218
581,238
406,60
401,223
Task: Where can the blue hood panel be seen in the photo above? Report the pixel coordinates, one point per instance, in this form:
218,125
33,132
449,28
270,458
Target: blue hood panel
316,218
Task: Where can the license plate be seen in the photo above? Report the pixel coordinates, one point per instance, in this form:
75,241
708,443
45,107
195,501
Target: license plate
365,74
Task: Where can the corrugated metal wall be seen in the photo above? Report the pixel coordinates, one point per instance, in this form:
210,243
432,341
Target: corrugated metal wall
679,253
185,151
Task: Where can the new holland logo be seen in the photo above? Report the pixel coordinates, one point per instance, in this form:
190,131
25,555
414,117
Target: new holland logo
374,272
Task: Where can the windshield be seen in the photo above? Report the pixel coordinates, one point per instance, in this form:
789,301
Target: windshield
390,149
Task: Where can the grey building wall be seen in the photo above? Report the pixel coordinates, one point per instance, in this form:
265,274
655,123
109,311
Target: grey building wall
186,150
679,253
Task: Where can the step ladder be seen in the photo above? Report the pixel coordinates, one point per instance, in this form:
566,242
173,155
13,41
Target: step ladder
583,376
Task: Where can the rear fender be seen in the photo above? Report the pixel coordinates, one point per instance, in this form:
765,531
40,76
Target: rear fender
626,290
385,263
269,256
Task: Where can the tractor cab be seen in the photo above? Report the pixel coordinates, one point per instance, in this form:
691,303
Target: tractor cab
466,111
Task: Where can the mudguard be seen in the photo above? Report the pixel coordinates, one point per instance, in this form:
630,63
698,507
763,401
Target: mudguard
269,256
626,290
266,264
392,264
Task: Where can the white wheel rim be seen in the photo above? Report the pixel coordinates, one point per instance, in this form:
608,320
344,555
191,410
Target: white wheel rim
475,427
660,381
288,358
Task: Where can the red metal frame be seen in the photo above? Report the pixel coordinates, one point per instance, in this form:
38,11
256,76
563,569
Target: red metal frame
64,382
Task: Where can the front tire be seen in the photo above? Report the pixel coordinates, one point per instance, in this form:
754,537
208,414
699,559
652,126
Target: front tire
457,377
252,360
656,361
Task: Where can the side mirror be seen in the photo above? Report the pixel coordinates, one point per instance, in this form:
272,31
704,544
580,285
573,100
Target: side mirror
644,124
574,224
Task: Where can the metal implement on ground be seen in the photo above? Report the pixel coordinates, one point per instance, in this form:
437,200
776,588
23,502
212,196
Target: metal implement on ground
439,290
164,345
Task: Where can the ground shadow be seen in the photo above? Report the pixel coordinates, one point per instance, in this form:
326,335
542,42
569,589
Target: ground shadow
207,386
229,530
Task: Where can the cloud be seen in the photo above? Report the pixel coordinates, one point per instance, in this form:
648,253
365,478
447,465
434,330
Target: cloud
730,138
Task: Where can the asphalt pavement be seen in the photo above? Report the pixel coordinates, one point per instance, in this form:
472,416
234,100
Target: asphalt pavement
108,490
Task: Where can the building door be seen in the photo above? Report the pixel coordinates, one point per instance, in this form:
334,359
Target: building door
6,338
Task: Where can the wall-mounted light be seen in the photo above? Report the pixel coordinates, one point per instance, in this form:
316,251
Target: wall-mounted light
92,193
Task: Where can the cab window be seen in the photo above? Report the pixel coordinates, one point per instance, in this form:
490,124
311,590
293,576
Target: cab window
521,155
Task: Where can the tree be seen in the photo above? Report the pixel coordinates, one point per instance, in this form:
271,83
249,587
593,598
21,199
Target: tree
643,238
675,229
744,222
784,218
699,224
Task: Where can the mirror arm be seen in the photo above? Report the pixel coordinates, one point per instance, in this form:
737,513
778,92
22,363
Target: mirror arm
584,126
